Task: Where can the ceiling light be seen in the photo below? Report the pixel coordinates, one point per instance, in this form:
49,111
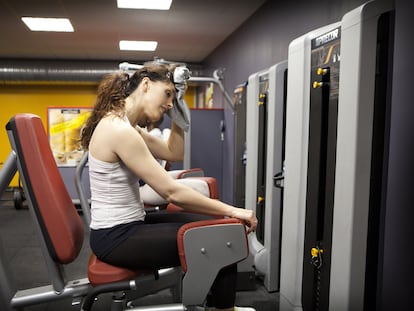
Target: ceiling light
48,24
145,4
125,45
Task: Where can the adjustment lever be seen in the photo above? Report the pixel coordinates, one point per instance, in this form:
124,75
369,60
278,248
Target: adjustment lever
278,180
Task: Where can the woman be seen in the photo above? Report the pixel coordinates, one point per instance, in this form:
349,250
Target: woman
121,153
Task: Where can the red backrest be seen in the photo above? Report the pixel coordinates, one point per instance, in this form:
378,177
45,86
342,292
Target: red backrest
59,221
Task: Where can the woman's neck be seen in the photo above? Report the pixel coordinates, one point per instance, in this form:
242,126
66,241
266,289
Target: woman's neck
132,111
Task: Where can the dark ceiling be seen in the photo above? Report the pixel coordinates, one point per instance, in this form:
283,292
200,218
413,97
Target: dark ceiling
188,32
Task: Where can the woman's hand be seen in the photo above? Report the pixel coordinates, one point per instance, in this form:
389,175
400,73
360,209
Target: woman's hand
247,216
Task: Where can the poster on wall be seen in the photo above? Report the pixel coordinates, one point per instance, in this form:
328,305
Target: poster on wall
64,126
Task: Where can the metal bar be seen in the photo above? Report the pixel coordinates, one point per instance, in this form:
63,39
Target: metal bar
218,82
32,296
127,66
8,171
84,203
170,307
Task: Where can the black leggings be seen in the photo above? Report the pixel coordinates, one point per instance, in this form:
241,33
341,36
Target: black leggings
153,245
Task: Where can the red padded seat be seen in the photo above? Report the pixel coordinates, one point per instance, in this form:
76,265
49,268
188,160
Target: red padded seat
100,272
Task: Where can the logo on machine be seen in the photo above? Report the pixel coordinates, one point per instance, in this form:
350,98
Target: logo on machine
326,38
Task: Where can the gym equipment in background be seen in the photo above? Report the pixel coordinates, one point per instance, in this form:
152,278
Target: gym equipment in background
265,140
337,127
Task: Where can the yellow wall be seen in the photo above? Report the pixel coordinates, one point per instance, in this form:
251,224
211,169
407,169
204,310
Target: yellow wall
27,98
35,99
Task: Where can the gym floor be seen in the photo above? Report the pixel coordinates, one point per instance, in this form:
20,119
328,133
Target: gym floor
21,251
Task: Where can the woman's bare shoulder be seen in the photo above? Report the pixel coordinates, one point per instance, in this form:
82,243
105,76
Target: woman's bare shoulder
111,136
114,125
112,130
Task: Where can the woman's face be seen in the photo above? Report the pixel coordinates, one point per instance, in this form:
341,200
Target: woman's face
159,100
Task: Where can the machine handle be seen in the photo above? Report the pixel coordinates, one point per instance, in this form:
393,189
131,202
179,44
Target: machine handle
278,180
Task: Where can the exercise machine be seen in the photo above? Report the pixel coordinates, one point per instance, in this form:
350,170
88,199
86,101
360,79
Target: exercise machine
205,247
337,127
239,144
265,140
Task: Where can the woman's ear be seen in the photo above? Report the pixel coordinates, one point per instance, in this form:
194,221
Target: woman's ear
145,84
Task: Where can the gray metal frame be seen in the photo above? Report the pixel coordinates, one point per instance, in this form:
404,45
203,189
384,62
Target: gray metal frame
266,254
83,200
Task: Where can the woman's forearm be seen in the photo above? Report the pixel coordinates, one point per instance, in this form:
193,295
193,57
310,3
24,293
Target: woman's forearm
176,142
194,201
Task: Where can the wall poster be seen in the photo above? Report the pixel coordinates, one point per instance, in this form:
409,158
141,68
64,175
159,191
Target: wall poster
64,126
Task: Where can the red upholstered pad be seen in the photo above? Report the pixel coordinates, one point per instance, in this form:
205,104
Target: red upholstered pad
100,272
60,222
197,224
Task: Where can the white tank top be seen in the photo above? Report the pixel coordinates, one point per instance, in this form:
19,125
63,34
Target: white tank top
115,197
